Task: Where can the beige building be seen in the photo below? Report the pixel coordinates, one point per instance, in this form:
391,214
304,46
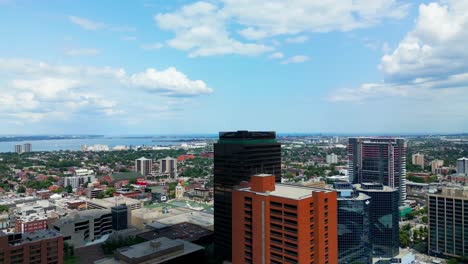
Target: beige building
436,164
417,159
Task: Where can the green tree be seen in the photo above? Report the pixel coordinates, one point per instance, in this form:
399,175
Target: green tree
69,189
101,195
4,208
21,189
424,219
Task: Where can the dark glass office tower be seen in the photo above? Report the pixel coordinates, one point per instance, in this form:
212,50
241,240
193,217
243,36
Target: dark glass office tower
381,160
238,156
384,217
119,217
353,225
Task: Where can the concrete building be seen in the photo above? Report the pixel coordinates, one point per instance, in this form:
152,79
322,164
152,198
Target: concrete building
77,181
30,223
384,218
435,165
84,226
18,149
417,159
354,236
160,250
179,191
108,203
381,160
41,247
462,166
332,158
168,166
144,166
448,222
279,223
27,147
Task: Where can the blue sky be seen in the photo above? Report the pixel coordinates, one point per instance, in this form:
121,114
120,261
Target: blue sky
158,67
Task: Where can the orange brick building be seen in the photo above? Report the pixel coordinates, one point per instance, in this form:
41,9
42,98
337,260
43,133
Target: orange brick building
280,223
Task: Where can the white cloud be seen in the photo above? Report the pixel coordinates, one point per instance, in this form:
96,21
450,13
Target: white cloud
33,91
153,46
427,73
200,30
296,59
276,55
86,23
82,52
169,81
298,39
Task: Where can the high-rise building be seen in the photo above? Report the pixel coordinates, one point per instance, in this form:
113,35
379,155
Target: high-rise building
381,160
354,236
169,166
238,156
417,159
462,166
436,164
448,222
18,149
280,223
332,158
384,217
144,166
27,147
44,247
119,217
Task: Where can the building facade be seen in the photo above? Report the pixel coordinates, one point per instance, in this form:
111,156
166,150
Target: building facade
279,223
169,166
462,166
144,166
435,165
119,217
448,222
41,247
28,224
381,160
77,181
332,158
417,159
384,218
27,147
18,149
354,236
84,226
238,156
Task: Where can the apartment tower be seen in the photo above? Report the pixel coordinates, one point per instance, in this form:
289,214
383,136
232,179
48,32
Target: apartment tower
280,223
381,160
144,166
238,156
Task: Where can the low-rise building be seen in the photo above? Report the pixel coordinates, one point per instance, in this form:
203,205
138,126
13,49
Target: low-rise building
83,227
45,247
108,203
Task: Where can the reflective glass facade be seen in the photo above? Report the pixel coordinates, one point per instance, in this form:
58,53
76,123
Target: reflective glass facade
384,217
238,156
354,229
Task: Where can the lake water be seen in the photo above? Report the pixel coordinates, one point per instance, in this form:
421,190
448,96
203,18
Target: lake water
75,144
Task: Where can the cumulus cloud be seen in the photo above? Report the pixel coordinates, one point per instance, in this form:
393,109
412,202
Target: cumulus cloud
427,69
276,55
37,90
296,59
202,28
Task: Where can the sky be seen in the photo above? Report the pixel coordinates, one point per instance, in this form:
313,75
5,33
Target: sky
176,66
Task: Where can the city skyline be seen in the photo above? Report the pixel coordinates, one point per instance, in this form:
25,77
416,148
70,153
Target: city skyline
204,66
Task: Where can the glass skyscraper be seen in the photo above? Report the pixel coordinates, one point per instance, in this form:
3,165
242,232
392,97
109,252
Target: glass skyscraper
238,156
353,225
384,217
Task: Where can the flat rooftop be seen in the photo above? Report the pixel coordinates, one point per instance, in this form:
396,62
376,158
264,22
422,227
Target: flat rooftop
186,231
198,218
291,191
